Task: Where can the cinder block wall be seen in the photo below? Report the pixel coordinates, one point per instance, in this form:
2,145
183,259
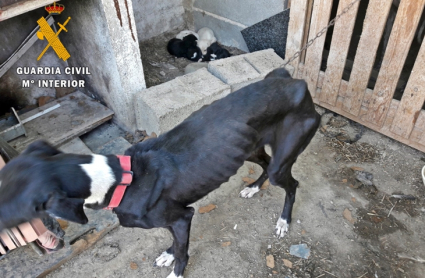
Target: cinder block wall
156,17
228,17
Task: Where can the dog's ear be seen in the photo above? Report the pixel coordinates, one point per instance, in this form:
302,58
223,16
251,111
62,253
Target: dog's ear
67,208
41,147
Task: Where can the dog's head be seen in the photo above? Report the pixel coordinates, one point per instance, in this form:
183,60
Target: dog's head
194,54
30,188
203,45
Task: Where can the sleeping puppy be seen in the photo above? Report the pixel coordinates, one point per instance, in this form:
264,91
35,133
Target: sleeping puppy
185,48
194,54
216,52
174,170
206,38
177,47
185,33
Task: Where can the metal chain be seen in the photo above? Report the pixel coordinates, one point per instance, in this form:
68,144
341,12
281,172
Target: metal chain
321,32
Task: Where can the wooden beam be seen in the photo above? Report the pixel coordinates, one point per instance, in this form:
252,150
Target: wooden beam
23,48
297,21
413,98
22,7
373,27
313,60
76,115
338,53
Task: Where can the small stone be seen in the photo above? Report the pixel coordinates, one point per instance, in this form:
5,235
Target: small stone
207,209
300,250
347,215
133,265
270,261
287,263
364,177
226,244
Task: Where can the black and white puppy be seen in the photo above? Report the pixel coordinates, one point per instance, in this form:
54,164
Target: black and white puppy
186,48
174,170
216,52
193,52
177,47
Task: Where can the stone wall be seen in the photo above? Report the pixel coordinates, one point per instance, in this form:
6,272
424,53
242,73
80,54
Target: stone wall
156,17
228,17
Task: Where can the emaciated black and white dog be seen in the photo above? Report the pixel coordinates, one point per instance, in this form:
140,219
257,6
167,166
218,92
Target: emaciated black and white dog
174,170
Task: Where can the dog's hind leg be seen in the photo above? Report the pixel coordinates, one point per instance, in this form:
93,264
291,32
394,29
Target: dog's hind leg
291,140
260,157
180,229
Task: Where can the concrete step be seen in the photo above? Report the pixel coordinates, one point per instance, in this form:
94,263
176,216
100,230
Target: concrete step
160,108
115,146
97,138
76,146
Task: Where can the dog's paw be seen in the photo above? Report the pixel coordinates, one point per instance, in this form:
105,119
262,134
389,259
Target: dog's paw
248,192
173,275
281,227
165,259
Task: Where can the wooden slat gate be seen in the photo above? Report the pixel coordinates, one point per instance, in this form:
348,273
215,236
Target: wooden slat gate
402,120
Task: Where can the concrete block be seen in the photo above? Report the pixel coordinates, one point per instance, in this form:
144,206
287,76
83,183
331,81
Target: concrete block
162,107
194,67
227,32
265,61
76,146
117,146
234,71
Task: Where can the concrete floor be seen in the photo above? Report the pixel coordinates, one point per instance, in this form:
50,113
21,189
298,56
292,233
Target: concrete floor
376,236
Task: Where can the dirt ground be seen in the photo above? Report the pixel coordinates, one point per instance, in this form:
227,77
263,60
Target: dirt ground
359,209
159,66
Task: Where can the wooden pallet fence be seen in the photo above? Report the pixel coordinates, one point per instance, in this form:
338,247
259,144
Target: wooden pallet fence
402,120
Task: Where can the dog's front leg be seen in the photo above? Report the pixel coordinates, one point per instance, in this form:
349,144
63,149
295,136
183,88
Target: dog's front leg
180,229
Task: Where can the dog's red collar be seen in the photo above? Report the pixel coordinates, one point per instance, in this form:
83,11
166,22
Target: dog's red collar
127,177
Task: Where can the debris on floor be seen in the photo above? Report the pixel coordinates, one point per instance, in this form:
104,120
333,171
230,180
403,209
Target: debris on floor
270,261
156,59
300,250
207,208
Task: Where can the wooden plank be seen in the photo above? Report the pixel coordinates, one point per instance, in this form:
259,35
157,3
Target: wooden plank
420,122
306,28
23,48
413,98
297,21
373,27
321,79
406,22
416,135
313,60
77,115
338,52
22,7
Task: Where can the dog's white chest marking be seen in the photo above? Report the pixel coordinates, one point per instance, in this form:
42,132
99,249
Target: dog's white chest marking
102,178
